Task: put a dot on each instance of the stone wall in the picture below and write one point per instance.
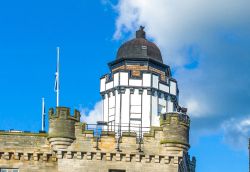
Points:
(29, 152)
(103, 162)
(33, 152)
(28, 164)
(23, 141)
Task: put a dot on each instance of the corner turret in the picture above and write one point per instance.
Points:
(175, 130)
(62, 127)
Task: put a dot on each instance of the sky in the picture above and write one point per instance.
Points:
(206, 43)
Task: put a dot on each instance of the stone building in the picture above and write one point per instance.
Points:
(143, 129)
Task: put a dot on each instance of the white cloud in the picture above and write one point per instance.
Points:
(175, 25)
(207, 45)
(236, 132)
(93, 115)
(194, 108)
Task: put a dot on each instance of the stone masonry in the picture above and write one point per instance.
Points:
(70, 147)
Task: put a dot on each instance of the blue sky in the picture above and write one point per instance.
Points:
(206, 44)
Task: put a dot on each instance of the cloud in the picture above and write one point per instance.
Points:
(177, 25)
(93, 115)
(206, 43)
(236, 131)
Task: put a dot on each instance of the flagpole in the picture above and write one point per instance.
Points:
(58, 79)
(43, 114)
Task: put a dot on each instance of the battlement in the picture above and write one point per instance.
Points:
(86, 156)
(175, 127)
(62, 127)
(174, 118)
(64, 113)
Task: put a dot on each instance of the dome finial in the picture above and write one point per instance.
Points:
(141, 33)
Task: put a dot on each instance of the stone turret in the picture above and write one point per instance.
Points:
(62, 127)
(175, 127)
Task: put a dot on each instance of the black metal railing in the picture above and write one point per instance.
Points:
(118, 130)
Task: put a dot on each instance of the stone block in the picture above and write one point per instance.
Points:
(118, 157)
(108, 156)
(79, 155)
(138, 158)
(128, 158)
(59, 155)
(69, 155)
(98, 156)
(89, 155)
(147, 158)
(157, 159)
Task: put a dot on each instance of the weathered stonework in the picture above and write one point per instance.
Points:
(37, 152)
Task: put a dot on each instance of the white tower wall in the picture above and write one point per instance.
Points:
(146, 111)
(135, 104)
(124, 111)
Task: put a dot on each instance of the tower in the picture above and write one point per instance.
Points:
(138, 88)
(62, 127)
(146, 128)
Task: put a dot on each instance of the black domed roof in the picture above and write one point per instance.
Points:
(139, 47)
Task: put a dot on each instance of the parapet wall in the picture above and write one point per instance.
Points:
(23, 141)
(84, 151)
(172, 137)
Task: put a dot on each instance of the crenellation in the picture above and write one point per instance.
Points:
(64, 113)
(54, 157)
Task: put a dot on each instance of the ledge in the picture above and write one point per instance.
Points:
(25, 134)
(108, 133)
(129, 134)
(88, 132)
(174, 142)
(88, 156)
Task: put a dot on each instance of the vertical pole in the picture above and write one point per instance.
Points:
(43, 114)
(58, 78)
